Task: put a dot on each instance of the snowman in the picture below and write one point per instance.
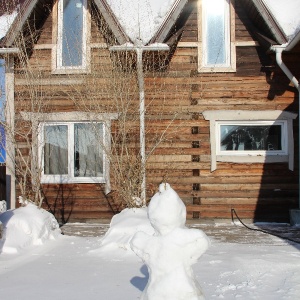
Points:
(170, 253)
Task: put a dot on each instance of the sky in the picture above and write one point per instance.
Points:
(2, 98)
(2, 84)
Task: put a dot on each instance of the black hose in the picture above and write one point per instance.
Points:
(233, 212)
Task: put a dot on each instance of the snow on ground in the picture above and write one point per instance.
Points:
(70, 267)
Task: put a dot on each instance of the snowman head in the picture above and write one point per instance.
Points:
(166, 210)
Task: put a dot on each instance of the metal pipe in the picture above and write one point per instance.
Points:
(139, 48)
(140, 75)
(278, 50)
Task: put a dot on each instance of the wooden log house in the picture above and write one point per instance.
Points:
(223, 111)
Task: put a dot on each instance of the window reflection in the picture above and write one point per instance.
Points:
(251, 138)
(72, 33)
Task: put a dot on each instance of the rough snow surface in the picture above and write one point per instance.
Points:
(116, 242)
(286, 12)
(140, 19)
(27, 226)
(5, 22)
(67, 268)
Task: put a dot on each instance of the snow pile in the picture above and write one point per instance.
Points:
(170, 253)
(140, 19)
(123, 226)
(27, 226)
(5, 22)
(287, 14)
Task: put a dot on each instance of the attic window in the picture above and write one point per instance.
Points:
(72, 34)
(216, 32)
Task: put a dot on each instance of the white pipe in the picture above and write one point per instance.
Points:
(139, 48)
(9, 50)
(140, 75)
(278, 50)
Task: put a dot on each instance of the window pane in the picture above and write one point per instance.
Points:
(88, 150)
(56, 150)
(72, 33)
(215, 24)
(250, 138)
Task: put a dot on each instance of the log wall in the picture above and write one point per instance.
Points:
(175, 100)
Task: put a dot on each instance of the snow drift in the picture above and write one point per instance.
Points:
(27, 226)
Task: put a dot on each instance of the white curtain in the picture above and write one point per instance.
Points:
(56, 150)
(88, 150)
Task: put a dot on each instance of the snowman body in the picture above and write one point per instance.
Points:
(170, 253)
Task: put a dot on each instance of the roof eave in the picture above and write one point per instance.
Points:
(293, 42)
(112, 21)
(18, 23)
(271, 21)
(169, 22)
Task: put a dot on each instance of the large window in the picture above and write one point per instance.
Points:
(73, 152)
(216, 36)
(72, 34)
(251, 137)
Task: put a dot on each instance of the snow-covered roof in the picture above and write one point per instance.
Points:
(141, 19)
(287, 15)
(5, 22)
(151, 20)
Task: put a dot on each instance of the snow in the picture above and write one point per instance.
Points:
(70, 267)
(287, 14)
(116, 242)
(140, 19)
(27, 226)
(5, 22)
(171, 251)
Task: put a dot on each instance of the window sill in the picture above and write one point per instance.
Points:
(71, 71)
(252, 158)
(216, 70)
(68, 180)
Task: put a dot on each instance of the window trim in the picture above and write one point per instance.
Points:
(37, 118)
(231, 47)
(57, 67)
(69, 178)
(217, 117)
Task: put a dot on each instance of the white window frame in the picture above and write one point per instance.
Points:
(284, 118)
(57, 67)
(76, 117)
(230, 65)
(69, 178)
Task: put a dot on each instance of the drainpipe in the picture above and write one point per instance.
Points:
(278, 50)
(140, 75)
(139, 48)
